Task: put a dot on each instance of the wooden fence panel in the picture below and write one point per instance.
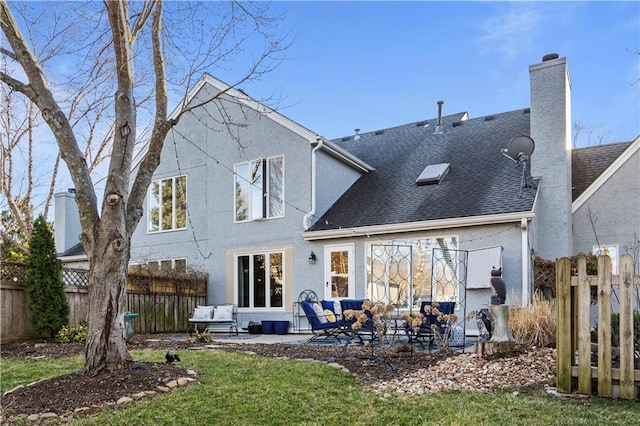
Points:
(604, 332)
(584, 328)
(627, 390)
(163, 302)
(16, 318)
(564, 329)
(574, 331)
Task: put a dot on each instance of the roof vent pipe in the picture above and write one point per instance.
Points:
(439, 129)
(357, 135)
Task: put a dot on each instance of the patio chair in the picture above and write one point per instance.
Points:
(325, 322)
(431, 324)
(366, 329)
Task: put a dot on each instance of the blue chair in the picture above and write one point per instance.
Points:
(323, 326)
(367, 328)
(430, 322)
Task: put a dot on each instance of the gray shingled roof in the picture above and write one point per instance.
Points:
(590, 162)
(481, 181)
(77, 250)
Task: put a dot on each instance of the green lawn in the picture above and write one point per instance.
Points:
(243, 389)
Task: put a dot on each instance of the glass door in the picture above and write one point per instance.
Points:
(339, 275)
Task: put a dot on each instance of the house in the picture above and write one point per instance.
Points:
(67, 231)
(606, 200)
(269, 208)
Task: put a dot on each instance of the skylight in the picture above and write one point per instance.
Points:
(433, 173)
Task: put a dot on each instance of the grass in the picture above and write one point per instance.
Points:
(244, 389)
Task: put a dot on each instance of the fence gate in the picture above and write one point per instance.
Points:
(604, 362)
(449, 284)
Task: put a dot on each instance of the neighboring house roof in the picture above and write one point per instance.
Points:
(481, 181)
(77, 250)
(591, 166)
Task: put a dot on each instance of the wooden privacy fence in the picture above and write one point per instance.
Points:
(574, 301)
(162, 300)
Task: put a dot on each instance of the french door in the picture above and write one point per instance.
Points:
(339, 271)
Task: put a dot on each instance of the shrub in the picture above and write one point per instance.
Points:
(535, 324)
(45, 291)
(615, 330)
(72, 334)
(202, 336)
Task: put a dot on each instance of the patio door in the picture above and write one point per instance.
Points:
(339, 271)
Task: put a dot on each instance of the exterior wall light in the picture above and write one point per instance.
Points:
(312, 258)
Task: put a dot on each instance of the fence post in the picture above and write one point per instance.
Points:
(604, 326)
(563, 330)
(584, 328)
(627, 389)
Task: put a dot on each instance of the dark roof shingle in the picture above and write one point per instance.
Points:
(590, 162)
(481, 180)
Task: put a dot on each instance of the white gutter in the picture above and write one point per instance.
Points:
(526, 286)
(365, 231)
(344, 155)
(306, 221)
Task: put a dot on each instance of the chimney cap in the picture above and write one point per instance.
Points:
(550, 56)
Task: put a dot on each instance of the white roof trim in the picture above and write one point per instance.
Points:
(74, 258)
(344, 155)
(417, 226)
(610, 171)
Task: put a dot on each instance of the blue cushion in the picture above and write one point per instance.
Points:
(315, 322)
(328, 304)
(432, 319)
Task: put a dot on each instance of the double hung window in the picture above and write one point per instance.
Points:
(167, 204)
(259, 189)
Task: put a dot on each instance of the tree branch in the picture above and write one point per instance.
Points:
(53, 115)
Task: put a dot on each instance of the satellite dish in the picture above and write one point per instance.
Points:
(519, 150)
(519, 146)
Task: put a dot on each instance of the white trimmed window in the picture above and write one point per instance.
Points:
(259, 189)
(260, 280)
(611, 251)
(167, 204)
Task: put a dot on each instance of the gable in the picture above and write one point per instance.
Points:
(587, 164)
(593, 166)
(245, 100)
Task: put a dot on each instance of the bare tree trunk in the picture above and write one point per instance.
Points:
(110, 243)
(106, 236)
(106, 345)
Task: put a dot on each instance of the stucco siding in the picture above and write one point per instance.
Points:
(509, 236)
(206, 154)
(613, 210)
(333, 178)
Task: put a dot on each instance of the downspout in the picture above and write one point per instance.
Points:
(526, 288)
(307, 217)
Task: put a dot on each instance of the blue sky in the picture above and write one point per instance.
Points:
(372, 65)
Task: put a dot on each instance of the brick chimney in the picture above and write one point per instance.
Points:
(551, 161)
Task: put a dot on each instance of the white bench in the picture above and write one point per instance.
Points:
(222, 317)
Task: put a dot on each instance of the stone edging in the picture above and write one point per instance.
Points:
(42, 417)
